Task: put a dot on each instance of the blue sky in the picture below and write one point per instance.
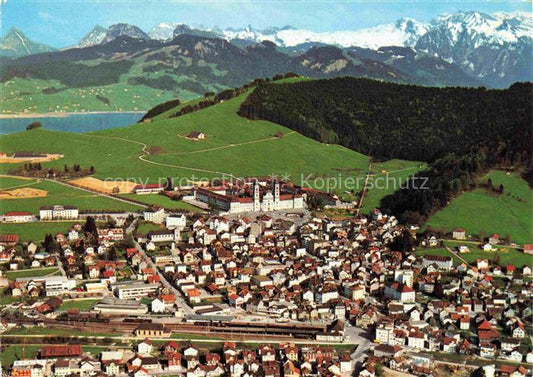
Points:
(61, 23)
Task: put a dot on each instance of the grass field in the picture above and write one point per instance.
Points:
(162, 201)
(78, 304)
(14, 352)
(35, 231)
(506, 255)
(478, 210)
(145, 227)
(56, 332)
(387, 177)
(7, 183)
(243, 148)
(12, 275)
(26, 95)
(61, 194)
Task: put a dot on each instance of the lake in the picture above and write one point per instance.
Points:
(85, 122)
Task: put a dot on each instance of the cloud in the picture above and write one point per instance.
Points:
(50, 18)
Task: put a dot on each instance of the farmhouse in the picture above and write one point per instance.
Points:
(255, 196)
(196, 135)
(58, 212)
(459, 234)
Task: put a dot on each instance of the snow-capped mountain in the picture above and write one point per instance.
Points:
(94, 37)
(495, 48)
(492, 48)
(405, 32)
(163, 31)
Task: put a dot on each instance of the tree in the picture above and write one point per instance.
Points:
(168, 185)
(90, 226)
(33, 126)
(438, 290)
(507, 238)
(404, 242)
(50, 244)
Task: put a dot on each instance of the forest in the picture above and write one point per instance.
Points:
(461, 132)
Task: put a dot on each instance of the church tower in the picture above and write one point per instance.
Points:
(257, 202)
(276, 195)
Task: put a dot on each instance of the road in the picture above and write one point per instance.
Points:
(367, 178)
(358, 336)
(180, 301)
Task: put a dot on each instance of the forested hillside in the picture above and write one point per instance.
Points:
(461, 132)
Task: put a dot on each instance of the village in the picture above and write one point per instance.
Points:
(257, 285)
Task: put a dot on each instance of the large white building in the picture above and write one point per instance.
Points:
(155, 215)
(257, 196)
(134, 289)
(18, 217)
(58, 212)
(57, 285)
(400, 292)
(441, 261)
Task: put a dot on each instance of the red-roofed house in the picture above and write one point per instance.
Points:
(18, 217)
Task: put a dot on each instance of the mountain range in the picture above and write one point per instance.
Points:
(172, 60)
(492, 49)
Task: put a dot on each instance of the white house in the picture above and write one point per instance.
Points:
(145, 347)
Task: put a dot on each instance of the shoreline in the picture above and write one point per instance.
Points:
(61, 115)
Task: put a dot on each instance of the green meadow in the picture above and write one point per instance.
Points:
(161, 201)
(36, 231)
(37, 272)
(386, 178)
(505, 254)
(234, 145)
(482, 211)
(58, 194)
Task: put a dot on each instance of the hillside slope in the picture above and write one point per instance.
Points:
(387, 120)
(462, 133)
(235, 146)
